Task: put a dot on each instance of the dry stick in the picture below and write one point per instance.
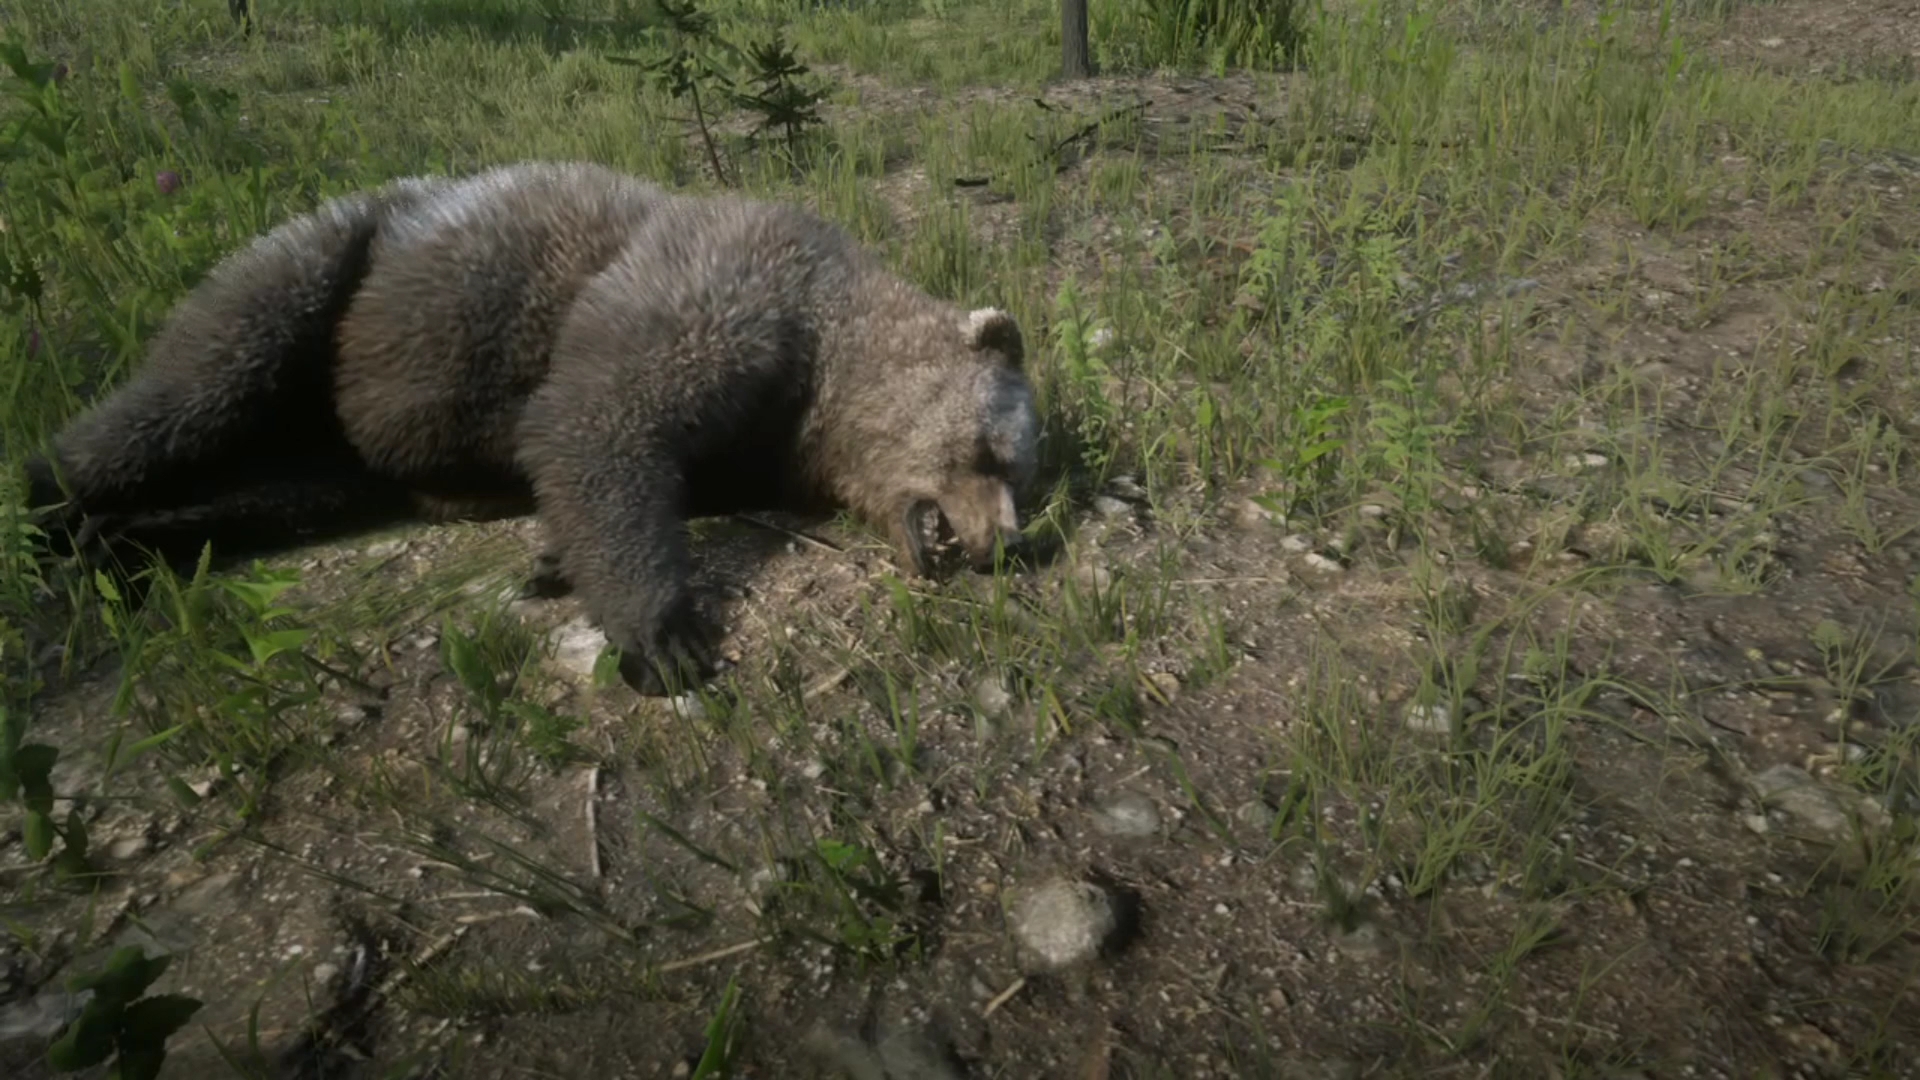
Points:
(428, 955)
(476, 918)
(1087, 130)
(795, 534)
(1084, 132)
(825, 683)
(707, 958)
(593, 819)
(1003, 997)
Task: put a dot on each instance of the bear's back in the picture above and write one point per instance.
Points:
(452, 326)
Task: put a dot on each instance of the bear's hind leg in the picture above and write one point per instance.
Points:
(240, 369)
(290, 505)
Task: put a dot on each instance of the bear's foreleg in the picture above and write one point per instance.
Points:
(610, 494)
(549, 578)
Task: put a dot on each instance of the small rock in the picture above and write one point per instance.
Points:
(1372, 510)
(1296, 543)
(1257, 814)
(1434, 719)
(687, 707)
(1064, 922)
(200, 896)
(1127, 814)
(577, 645)
(1167, 683)
(900, 1055)
(911, 1054)
(1127, 488)
(386, 548)
(992, 698)
(1812, 1042)
(1108, 506)
(129, 847)
(1363, 942)
(1092, 577)
(41, 1016)
(762, 880)
(1250, 513)
(1825, 808)
(1323, 564)
(1817, 481)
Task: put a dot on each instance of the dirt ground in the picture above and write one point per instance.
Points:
(1686, 929)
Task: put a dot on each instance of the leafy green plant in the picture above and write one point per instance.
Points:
(1406, 428)
(1084, 375)
(25, 768)
(490, 669)
(848, 885)
(217, 671)
(1309, 456)
(118, 1022)
(29, 774)
(722, 1034)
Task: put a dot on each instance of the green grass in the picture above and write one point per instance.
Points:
(1466, 307)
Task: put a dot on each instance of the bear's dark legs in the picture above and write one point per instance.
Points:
(271, 508)
(620, 539)
(549, 578)
(611, 501)
(155, 470)
(240, 370)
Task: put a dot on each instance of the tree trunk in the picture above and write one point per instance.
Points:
(1076, 55)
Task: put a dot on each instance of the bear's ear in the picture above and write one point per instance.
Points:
(992, 328)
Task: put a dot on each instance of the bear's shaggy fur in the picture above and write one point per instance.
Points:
(562, 339)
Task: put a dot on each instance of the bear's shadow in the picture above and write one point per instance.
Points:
(727, 557)
(730, 554)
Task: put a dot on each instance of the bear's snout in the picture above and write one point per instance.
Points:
(981, 513)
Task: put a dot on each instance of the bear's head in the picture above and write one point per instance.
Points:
(973, 447)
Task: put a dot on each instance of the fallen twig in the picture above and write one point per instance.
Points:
(1003, 997)
(593, 820)
(795, 534)
(708, 958)
(1085, 131)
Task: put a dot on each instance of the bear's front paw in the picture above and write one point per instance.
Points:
(548, 581)
(670, 660)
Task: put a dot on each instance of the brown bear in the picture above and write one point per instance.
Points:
(561, 339)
